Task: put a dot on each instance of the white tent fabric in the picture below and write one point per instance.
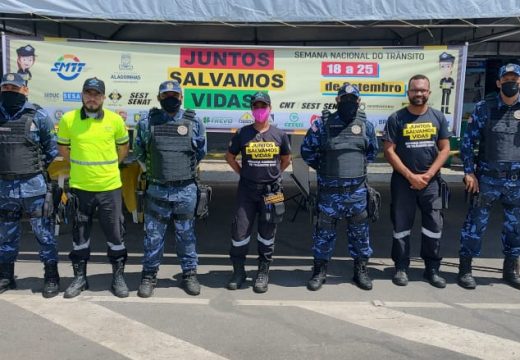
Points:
(257, 11)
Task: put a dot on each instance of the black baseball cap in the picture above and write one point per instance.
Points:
(170, 85)
(261, 96)
(347, 89)
(509, 68)
(13, 79)
(94, 84)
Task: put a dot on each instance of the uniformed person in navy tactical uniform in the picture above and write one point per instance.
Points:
(27, 147)
(494, 174)
(416, 144)
(169, 144)
(339, 146)
(266, 153)
(447, 83)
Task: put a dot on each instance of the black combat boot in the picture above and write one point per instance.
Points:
(79, 283)
(190, 283)
(262, 277)
(51, 280)
(400, 277)
(148, 283)
(361, 277)
(119, 287)
(319, 275)
(7, 277)
(433, 277)
(465, 278)
(509, 272)
(238, 277)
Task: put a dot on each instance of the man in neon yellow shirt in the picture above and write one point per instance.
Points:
(95, 141)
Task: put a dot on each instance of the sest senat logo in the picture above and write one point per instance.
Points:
(68, 67)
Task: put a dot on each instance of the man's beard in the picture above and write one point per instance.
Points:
(91, 109)
(418, 100)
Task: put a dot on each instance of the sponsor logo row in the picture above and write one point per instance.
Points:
(114, 98)
(69, 67)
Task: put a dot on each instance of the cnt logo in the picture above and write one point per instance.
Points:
(68, 67)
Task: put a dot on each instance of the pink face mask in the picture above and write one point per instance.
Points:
(261, 115)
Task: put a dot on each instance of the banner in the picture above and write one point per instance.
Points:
(218, 81)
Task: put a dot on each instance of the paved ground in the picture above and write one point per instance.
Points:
(288, 322)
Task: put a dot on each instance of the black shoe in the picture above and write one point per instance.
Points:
(51, 280)
(79, 283)
(148, 283)
(262, 278)
(433, 277)
(509, 272)
(400, 277)
(238, 277)
(319, 275)
(465, 278)
(190, 284)
(119, 287)
(361, 277)
(7, 277)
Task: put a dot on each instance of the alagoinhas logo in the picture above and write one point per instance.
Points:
(68, 67)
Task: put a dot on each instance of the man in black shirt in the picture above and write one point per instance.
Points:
(266, 153)
(416, 144)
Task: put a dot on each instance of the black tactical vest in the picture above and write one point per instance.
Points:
(501, 134)
(171, 156)
(19, 153)
(344, 148)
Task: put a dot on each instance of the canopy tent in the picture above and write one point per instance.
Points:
(491, 27)
(266, 11)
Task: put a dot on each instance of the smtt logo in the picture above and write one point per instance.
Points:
(68, 67)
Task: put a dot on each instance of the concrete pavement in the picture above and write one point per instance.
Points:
(288, 322)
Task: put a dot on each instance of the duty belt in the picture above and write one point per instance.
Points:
(257, 186)
(11, 177)
(340, 189)
(501, 174)
(173, 183)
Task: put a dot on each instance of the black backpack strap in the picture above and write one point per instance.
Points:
(34, 106)
(153, 114)
(189, 115)
(324, 135)
(361, 115)
(325, 115)
(490, 104)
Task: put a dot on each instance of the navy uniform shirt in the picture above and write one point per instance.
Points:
(472, 136)
(43, 133)
(260, 152)
(416, 136)
(311, 151)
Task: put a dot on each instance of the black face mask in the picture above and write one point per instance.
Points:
(12, 102)
(347, 110)
(510, 88)
(170, 104)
